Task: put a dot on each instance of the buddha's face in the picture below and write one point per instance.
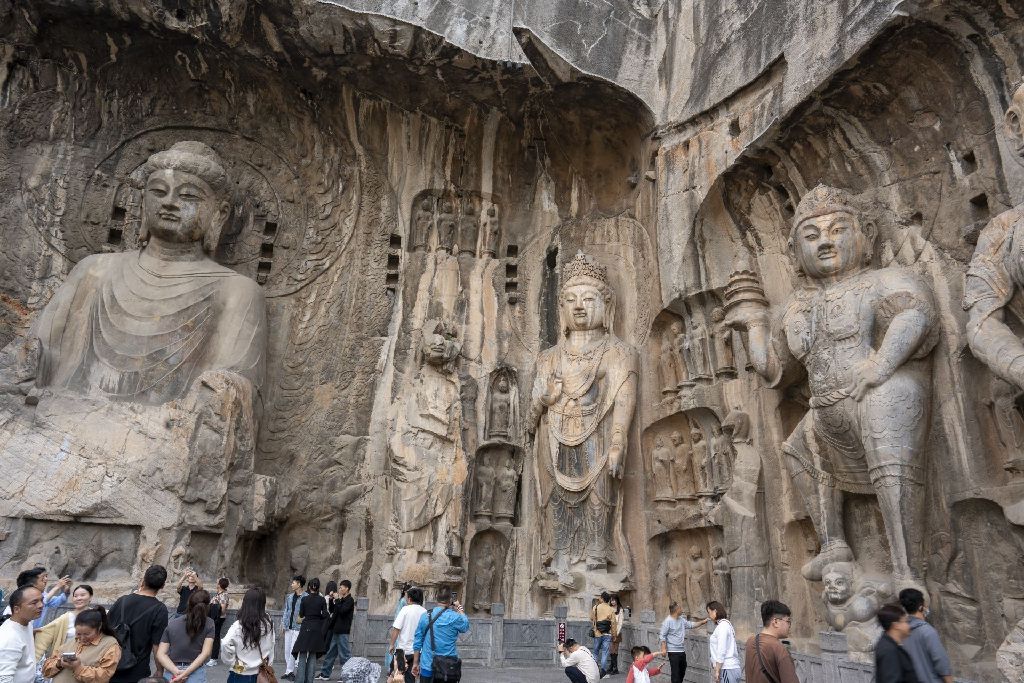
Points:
(838, 587)
(180, 207)
(583, 307)
(830, 245)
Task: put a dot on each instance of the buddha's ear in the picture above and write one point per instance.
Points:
(870, 230)
(220, 218)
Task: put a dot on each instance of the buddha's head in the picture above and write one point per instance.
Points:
(586, 300)
(676, 438)
(1012, 120)
(829, 238)
(184, 199)
(838, 582)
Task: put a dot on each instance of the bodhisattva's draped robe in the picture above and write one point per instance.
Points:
(132, 328)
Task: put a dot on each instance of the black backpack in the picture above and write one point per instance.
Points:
(130, 656)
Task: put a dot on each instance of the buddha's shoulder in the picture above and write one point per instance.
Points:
(239, 286)
(98, 263)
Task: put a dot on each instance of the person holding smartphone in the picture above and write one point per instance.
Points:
(188, 585)
(93, 654)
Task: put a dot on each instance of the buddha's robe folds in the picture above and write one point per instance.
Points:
(134, 328)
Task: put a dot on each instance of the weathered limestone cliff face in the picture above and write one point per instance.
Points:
(746, 388)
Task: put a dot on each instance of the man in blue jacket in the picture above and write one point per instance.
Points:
(931, 662)
(447, 621)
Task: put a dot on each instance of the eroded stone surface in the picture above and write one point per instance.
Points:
(402, 173)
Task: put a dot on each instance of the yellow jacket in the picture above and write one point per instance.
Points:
(49, 638)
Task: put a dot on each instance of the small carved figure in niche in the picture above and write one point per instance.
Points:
(700, 348)
(582, 406)
(505, 491)
(675, 575)
(446, 226)
(721, 334)
(501, 408)
(737, 425)
(483, 578)
(485, 475)
(681, 465)
(851, 603)
(721, 463)
(423, 224)
(701, 471)
(492, 230)
(671, 374)
(697, 584)
(721, 576)
(863, 337)
(994, 323)
(682, 351)
(664, 471)
(689, 360)
(469, 225)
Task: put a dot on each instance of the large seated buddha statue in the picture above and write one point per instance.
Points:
(134, 398)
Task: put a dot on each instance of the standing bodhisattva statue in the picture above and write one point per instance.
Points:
(862, 336)
(582, 407)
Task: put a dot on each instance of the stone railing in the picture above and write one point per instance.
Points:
(499, 642)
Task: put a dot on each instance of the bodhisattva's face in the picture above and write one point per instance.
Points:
(583, 307)
(180, 207)
(830, 245)
(838, 587)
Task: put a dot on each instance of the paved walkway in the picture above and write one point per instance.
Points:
(552, 674)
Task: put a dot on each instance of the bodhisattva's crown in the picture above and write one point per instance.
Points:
(824, 200)
(582, 265)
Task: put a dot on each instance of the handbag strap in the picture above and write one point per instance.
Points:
(760, 659)
(430, 627)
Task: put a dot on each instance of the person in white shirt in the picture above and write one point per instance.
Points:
(250, 639)
(17, 645)
(580, 665)
(725, 658)
(403, 630)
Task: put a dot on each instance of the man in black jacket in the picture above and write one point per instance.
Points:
(892, 663)
(342, 606)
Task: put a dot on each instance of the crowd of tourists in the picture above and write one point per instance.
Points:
(908, 651)
(88, 644)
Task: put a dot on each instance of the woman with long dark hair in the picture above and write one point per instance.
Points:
(619, 618)
(96, 649)
(250, 640)
(311, 642)
(188, 641)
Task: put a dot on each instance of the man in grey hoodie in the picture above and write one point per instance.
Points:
(931, 663)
